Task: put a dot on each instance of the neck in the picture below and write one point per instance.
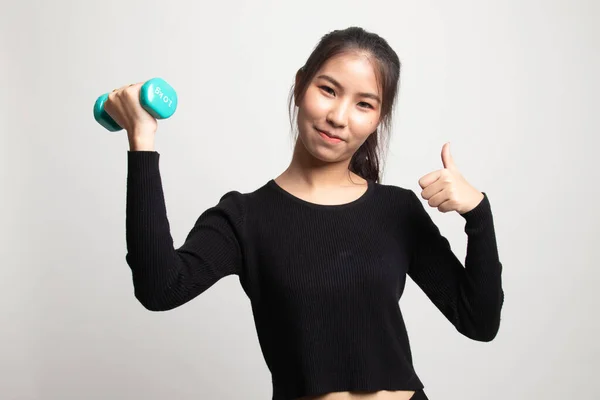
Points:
(309, 171)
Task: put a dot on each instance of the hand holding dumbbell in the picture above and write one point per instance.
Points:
(136, 108)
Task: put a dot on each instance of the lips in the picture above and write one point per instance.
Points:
(329, 134)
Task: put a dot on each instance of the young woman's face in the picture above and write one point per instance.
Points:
(342, 99)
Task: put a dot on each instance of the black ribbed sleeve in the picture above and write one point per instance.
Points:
(469, 295)
(165, 277)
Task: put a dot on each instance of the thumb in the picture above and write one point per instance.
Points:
(447, 159)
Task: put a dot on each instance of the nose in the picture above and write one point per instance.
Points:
(338, 115)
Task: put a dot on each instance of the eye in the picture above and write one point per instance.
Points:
(326, 88)
(330, 90)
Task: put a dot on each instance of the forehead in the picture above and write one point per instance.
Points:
(353, 71)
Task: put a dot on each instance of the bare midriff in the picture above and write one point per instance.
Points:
(379, 395)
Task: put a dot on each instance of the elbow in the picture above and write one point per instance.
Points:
(153, 301)
(482, 331)
(157, 293)
(165, 297)
(489, 328)
(488, 334)
(486, 326)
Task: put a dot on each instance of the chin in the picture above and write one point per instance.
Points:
(315, 148)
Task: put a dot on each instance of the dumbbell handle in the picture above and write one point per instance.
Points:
(156, 96)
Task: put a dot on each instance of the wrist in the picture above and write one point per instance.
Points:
(141, 145)
(141, 140)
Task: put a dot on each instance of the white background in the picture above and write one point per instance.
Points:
(513, 85)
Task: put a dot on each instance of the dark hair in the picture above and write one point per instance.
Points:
(366, 160)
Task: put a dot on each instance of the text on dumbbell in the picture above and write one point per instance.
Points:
(163, 96)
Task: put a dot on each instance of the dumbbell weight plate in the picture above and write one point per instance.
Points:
(102, 117)
(158, 98)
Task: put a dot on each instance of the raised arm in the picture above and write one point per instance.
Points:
(165, 277)
(470, 296)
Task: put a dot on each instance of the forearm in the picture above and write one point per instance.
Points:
(482, 283)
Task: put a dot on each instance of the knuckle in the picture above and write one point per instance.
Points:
(108, 104)
(130, 91)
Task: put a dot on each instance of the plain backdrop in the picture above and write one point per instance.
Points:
(513, 85)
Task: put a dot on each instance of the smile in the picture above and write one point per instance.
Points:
(327, 138)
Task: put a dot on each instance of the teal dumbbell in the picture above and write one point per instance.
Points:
(156, 96)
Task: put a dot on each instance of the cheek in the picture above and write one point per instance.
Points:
(363, 123)
(315, 106)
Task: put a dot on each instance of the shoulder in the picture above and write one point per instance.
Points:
(399, 193)
(401, 203)
(239, 200)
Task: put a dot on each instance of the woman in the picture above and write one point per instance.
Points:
(323, 250)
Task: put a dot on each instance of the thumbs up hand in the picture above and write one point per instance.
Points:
(447, 189)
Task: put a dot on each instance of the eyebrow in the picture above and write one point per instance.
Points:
(336, 83)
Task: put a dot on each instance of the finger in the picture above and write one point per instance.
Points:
(122, 87)
(429, 179)
(446, 206)
(438, 199)
(447, 159)
(118, 89)
(133, 88)
(433, 189)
